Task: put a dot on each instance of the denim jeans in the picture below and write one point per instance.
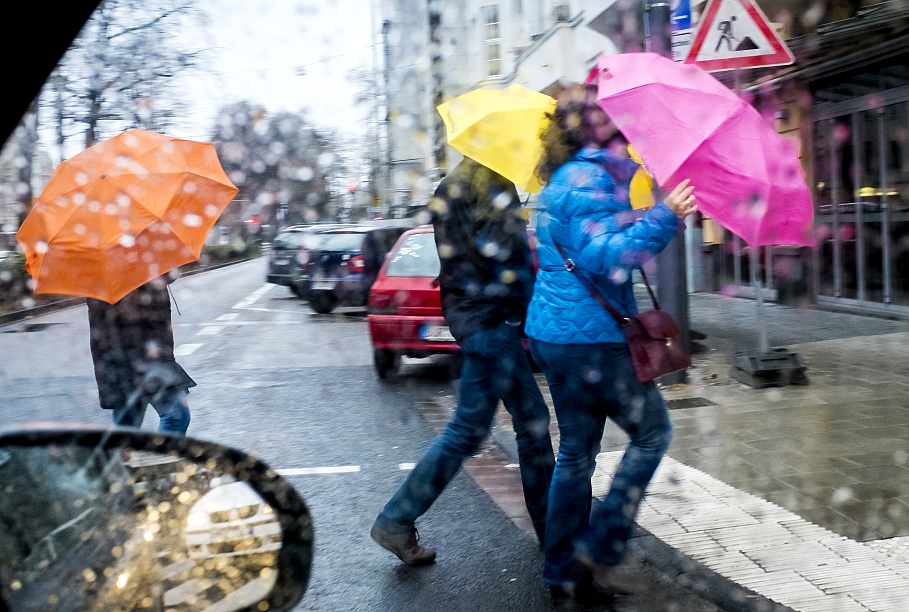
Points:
(495, 367)
(173, 409)
(590, 383)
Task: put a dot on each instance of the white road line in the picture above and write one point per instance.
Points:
(334, 469)
(252, 298)
(406, 466)
(211, 330)
(762, 546)
(186, 349)
(228, 316)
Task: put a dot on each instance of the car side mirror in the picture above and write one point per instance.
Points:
(117, 519)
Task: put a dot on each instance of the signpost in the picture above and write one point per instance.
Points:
(732, 35)
(680, 18)
(736, 34)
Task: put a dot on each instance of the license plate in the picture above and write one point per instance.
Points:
(436, 333)
(323, 285)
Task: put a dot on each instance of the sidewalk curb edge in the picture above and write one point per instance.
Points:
(674, 564)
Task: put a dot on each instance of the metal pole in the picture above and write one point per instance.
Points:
(761, 316)
(672, 273)
(754, 264)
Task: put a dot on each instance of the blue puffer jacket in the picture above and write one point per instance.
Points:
(585, 208)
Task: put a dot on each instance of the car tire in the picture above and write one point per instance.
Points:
(387, 362)
(322, 303)
(295, 290)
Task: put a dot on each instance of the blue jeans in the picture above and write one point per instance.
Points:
(590, 383)
(173, 409)
(495, 367)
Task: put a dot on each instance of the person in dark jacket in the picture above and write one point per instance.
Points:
(486, 282)
(585, 209)
(132, 346)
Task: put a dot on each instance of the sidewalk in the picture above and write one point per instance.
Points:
(800, 494)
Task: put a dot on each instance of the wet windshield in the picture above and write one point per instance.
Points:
(652, 355)
(416, 256)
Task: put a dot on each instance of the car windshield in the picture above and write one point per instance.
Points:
(215, 220)
(346, 241)
(289, 240)
(416, 256)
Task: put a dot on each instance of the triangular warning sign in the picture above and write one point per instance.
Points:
(736, 34)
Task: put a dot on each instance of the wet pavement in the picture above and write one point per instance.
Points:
(798, 493)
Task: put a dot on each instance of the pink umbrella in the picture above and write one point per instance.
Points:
(686, 124)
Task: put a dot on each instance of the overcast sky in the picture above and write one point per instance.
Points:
(255, 47)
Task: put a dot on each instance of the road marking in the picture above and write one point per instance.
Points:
(334, 469)
(406, 466)
(186, 349)
(762, 546)
(252, 298)
(228, 316)
(211, 330)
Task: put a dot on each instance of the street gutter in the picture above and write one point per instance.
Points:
(43, 309)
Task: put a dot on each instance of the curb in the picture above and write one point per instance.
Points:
(672, 563)
(36, 311)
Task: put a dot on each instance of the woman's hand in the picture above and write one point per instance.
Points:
(681, 200)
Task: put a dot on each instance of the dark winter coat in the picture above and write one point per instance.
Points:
(487, 273)
(127, 338)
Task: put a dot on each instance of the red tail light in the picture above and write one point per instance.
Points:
(381, 303)
(356, 264)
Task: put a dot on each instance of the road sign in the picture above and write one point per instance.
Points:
(736, 34)
(681, 29)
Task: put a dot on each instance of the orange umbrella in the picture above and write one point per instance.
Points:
(123, 212)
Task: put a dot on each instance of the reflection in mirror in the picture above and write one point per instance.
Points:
(111, 529)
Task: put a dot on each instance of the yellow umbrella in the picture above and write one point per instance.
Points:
(500, 128)
(641, 193)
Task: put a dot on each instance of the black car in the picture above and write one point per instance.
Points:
(342, 267)
(287, 253)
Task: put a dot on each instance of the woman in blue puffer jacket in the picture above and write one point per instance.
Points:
(584, 208)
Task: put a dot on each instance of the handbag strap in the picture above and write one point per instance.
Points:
(602, 301)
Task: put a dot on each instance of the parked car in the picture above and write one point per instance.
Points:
(342, 267)
(287, 252)
(405, 304)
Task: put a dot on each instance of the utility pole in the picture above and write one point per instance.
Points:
(672, 273)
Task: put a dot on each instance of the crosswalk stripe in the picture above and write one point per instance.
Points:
(311, 471)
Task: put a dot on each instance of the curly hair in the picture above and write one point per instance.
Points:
(577, 122)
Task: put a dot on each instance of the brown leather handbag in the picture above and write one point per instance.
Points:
(652, 336)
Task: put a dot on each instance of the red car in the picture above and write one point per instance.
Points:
(405, 306)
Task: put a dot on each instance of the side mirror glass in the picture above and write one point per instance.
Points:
(112, 520)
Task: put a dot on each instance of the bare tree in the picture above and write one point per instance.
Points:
(119, 71)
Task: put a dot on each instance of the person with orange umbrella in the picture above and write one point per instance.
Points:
(110, 224)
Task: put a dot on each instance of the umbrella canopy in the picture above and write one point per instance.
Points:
(686, 124)
(123, 212)
(500, 128)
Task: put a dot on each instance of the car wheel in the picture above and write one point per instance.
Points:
(295, 290)
(323, 303)
(387, 362)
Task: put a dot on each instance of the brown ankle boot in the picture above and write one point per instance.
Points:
(404, 546)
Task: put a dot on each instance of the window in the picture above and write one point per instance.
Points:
(416, 256)
(492, 40)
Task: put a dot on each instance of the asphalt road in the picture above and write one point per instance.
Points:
(298, 390)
